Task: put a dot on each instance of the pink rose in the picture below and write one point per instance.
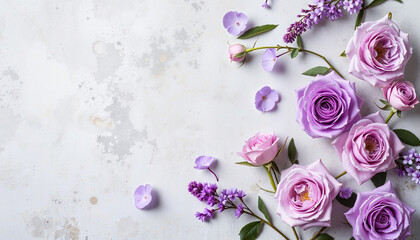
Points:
(401, 95)
(260, 149)
(237, 52)
(368, 148)
(305, 194)
(378, 52)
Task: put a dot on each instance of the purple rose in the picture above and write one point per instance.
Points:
(368, 148)
(378, 52)
(401, 95)
(328, 106)
(305, 194)
(237, 52)
(260, 149)
(379, 214)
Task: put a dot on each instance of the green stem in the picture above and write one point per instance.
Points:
(265, 190)
(319, 232)
(275, 176)
(341, 174)
(269, 224)
(390, 116)
(278, 47)
(296, 235)
(271, 179)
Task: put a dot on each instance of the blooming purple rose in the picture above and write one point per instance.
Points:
(266, 99)
(378, 52)
(380, 214)
(237, 52)
(327, 106)
(235, 22)
(401, 95)
(269, 59)
(143, 196)
(305, 194)
(260, 149)
(368, 148)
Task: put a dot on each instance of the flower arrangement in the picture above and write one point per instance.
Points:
(328, 107)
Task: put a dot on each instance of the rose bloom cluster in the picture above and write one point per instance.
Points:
(329, 107)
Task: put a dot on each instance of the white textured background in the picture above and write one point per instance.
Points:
(100, 96)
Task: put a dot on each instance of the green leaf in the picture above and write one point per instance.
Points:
(379, 179)
(399, 113)
(246, 164)
(275, 167)
(294, 53)
(324, 236)
(262, 209)
(347, 202)
(299, 41)
(360, 16)
(375, 3)
(316, 70)
(407, 137)
(257, 31)
(384, 101)
(343, 54)
(291, 151)
(251, 231)
(352, 238)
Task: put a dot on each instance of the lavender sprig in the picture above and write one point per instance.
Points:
(409, 165)
(227, 199)
(318, 11)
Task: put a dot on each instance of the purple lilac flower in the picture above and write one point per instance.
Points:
(235, 22)
(416, 177)
(143, 196)
(239, 210)
(231, 194)
(240, 194)
(205, 216)
(353, 6)
(401, 172)
(266, 99)
(265, 4)
(205, 162)
(269, 59)
(409, 170)
(317, 11)
(345, 192)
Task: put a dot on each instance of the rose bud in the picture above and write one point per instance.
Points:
(260, 149)
(401, 95)
(237, 52)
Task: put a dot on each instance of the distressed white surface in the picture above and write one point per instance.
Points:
(100, 96)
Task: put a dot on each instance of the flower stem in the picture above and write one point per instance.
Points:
(390, 116)
(319, 232)
(341, 174)
(271, 179)
(278, 47)
(275, 176)
(269, 224)
(265, 190)
(296, 235)
(214, 174)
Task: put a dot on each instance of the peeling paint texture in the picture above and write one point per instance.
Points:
(98, 97)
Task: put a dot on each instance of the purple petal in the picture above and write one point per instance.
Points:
(235, 22)
(267, 105)
(204, 162)
(142, 196)
(230, 19)
(269, 59)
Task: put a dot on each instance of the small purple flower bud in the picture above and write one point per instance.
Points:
(237, 52)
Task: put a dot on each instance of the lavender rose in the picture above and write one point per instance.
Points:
(379, 214)
(305, 194)
(378, 52)
(401, 95)
(327, 106)
(368, 148)
(260, 149)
